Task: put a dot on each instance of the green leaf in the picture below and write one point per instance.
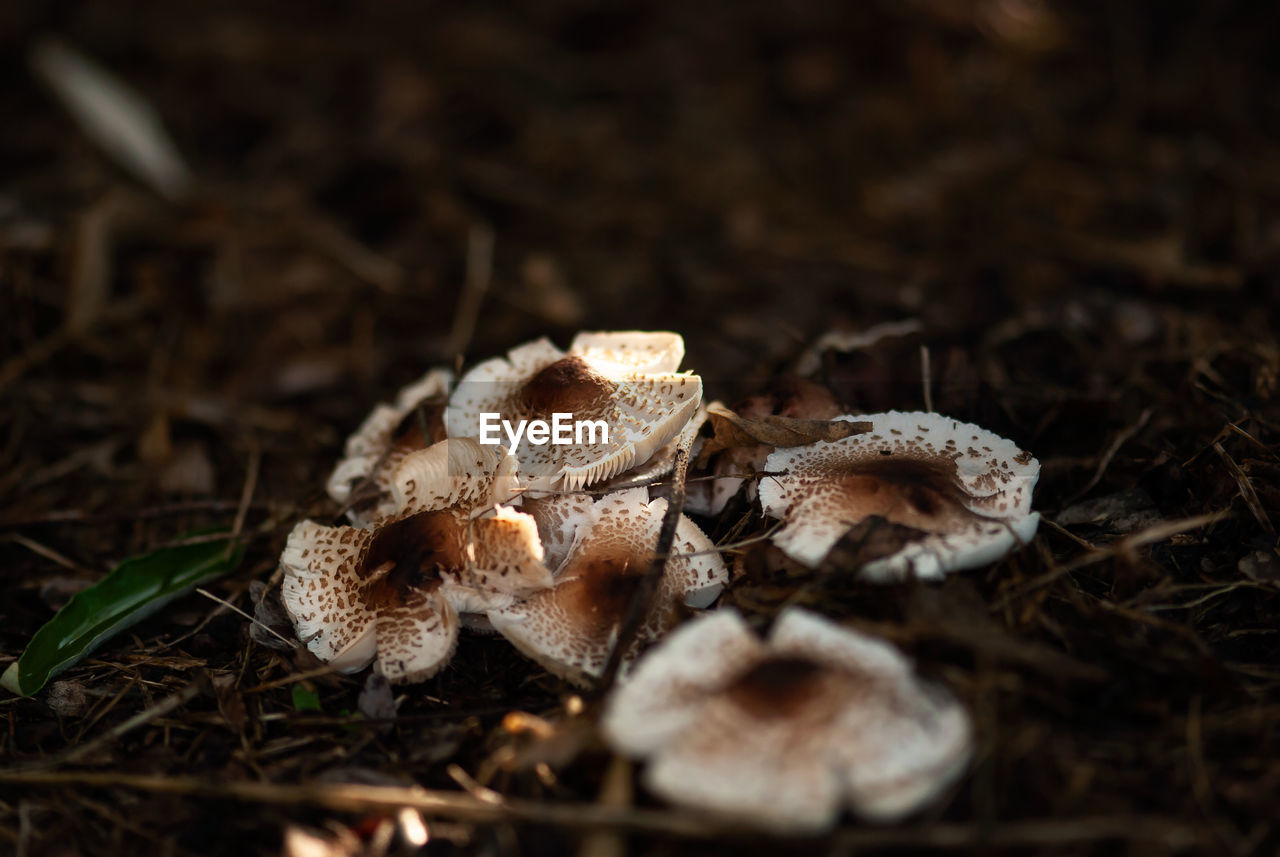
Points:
(306, 699)
(135, 589)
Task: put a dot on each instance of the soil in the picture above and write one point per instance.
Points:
(1076, 203)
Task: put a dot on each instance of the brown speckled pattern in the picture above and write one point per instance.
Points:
(558, 517)
(644, 404)
(571, 629)
(968, 490)
(394, 591)
(788, 731)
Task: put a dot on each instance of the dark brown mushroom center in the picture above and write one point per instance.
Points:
(777, 687)
(601, 589)
(568, 385)
(407, 558)
(913, 492)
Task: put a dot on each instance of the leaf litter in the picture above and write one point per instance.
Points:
(1094, 280)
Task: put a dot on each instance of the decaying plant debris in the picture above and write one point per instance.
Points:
(1064, 215)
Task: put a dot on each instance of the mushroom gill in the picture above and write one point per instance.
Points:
(382, 441)
(626, 381)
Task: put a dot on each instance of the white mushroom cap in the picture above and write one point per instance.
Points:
(394, 592)
(387, 435)
(571, 628)
(643, 351)
(612, 377)
(782, 734)
(966, 490)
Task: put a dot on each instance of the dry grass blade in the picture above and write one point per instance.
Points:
(1151, 535)
(162, 708)
(113, 116)
(1247, 493)
(462, 806)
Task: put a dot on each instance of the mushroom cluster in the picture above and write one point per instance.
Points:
(549, 545)
(447, 530)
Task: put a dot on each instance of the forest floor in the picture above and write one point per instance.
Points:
(1077, 204)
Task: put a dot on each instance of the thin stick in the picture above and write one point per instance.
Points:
(293, 644)
(1156, 533)
(643, 601)
(479, 273)
(926, 377)
(78, 516)
(1171, 832)
(1246, 489)
(246, 497)
(50, 554)
(160, 709)
(1105, 462)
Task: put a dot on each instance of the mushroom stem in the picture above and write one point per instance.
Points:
(643, 601)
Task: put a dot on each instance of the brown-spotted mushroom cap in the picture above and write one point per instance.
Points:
(628, 380)
(558, 517)
(571, 628)
(783, 733)
(387, 435)
(394, 592)
(965, 491)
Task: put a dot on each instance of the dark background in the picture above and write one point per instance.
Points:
(1079, 202)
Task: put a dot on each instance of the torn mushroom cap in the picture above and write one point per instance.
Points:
(458, 472)
(967, 492)
(394, 592)
(571, 628)
(626, 380)
(387, 435)
(782, 734)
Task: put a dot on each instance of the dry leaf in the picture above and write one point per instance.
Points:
(732, 430)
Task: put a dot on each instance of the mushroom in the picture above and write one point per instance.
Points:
(627, 380)
(782, 733)
(571, 628)
(394, 592)
(387, 435)
(962, 493)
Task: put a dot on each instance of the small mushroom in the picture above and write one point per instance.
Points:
(571, 628)
(394, 592)
(387, 435)
(626, 380)
(961, 492)
(782, 733)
